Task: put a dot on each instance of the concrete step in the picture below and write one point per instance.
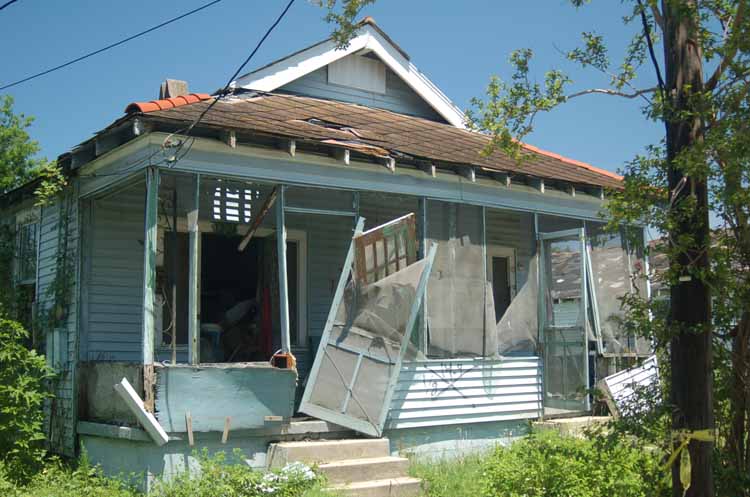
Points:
(404, 486)
(360, 470)
(316, 452)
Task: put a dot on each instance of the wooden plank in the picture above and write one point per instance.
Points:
(189, 427)
(225, 432)
(270, 200)
(247, 393)
(145, 418)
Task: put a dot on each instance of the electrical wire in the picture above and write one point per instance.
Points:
(6, 4)
(108, 47)
(178, 154)
(226, 90)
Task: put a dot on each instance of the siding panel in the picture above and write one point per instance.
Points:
(115, 276)
(460, 391)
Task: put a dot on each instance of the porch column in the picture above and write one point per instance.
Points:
(423, 341)
(286, 343)
(193, 275)
(149, 263)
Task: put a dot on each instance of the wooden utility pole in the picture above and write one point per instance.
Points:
(692, 374)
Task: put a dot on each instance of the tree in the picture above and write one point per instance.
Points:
(17, 149)
(702, 164)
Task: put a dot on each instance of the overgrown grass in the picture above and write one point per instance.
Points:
(450, 478)
(220, 476)
(547, 465)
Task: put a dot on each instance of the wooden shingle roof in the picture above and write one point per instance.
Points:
(375, 132)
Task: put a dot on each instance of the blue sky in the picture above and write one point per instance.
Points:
(459, 45)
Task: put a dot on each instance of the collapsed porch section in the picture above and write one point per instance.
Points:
(236, 296)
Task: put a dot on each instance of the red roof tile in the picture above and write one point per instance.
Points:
(167, 103)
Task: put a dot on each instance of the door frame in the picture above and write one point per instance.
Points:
(510, 254)
(580, 233)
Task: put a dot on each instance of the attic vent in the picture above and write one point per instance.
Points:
(358, 72)
(234, 205)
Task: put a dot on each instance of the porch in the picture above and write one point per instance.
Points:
(217, 303)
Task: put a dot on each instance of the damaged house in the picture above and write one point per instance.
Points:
(326, 255)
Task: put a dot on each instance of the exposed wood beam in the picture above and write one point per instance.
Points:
(389, 163)
(290, 146)
(145, 418)
(537, 183)
(429, 168)
(342, 154)
(468, 172)
(140, 127)
(230, 138)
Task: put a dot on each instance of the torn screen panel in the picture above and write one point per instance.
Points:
(366, 338)
(517, 330)
(616, 271)
(363, 348)
(457, 291)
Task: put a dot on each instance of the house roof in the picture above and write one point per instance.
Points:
(373, 132)
(369, 39)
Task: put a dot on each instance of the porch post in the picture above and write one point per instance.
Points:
(286, 344)
(149, 263)
(540, 314)
(585, 305)
(423, 339)
(485, 280)
(193, 275)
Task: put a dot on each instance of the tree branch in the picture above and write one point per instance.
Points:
(614, 93)
(732, 41)
(658, 18)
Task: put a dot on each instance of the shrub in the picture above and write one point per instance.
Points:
(220, 477)
(22, 393)
(548, 465)
(57, 480)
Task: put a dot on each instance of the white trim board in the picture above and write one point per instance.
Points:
(368, 39)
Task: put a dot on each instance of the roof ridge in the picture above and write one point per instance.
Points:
(166, 103)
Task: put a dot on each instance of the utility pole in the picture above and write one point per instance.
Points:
(690, 314)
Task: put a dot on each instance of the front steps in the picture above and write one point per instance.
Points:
(357, 468)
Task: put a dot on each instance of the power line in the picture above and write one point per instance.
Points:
(224, 91)
(7, 3)
(108, 47)
(176, 157)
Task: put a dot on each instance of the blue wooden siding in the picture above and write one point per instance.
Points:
(398, 97)
(61, 340)
(115, 277)
(460, 391)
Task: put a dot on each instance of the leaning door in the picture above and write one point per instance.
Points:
(563, 317)
(369, 325)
